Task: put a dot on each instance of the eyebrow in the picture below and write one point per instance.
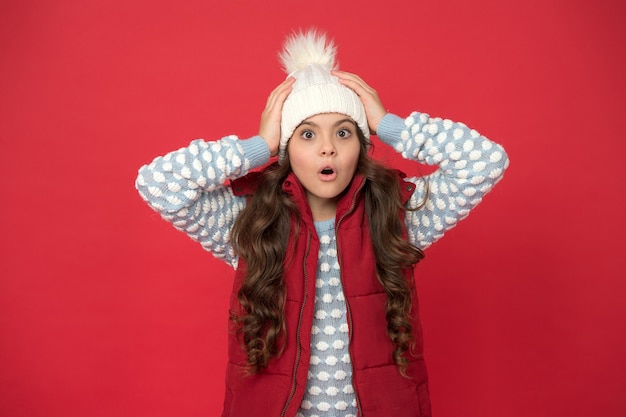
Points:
(339, 122)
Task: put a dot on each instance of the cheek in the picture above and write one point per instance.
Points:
(353, 155)
(298, 161)
(295, 158)
(293, 149)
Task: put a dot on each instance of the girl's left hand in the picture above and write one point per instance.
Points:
(374, 109)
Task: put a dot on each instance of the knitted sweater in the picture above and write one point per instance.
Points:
(189, 188)
(329, 383)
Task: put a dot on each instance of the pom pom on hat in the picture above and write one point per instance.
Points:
(309, 58)
(307, 48)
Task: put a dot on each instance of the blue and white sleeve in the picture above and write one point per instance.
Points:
(469, 165)
(188, 187)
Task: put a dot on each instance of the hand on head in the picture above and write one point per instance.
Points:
(374, 108)
(269, 128)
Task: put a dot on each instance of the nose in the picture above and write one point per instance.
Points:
(327, 147)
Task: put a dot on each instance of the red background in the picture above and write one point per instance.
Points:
(105, 310)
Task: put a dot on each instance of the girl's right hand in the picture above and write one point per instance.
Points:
(269, 129)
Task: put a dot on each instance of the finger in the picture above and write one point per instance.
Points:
(345, 74)
(354, 82)
(280, 93)
(349, 77)
(282, 87)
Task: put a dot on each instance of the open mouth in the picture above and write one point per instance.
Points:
(327, 174)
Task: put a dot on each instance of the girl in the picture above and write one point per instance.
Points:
(324, 315)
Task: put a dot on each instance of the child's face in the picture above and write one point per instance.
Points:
(323, 154)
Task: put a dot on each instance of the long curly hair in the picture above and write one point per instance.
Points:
(261, 234)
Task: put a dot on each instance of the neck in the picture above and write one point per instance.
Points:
(322, 209)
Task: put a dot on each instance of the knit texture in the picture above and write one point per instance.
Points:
(329, 390)
(187, 188)
(190, 188)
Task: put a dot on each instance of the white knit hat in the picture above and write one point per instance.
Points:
(309, 59)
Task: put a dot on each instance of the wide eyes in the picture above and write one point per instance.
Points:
(342, 133)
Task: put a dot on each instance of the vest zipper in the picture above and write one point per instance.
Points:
(299, 350)
(348, 311)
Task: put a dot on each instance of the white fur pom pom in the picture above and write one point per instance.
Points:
(305, 48)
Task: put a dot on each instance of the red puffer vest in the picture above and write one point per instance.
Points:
(380, 389)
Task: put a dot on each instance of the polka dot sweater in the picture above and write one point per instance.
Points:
(329, 389)
(190, 189)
